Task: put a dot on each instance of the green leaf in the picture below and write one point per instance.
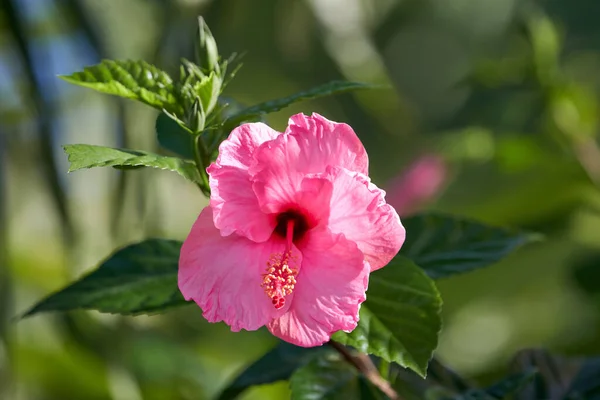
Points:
(552, 377)
(510, 384)
(441, 382)
(137, 279)
(331, 378)
(277, 365)
(135, 80)
(267, 107)
(501, 390)
(89, 156)
(445, 245)
(586, 384)
(195, 86)
(208, 90)
(442, 375)
(173, 137)
(400, 320)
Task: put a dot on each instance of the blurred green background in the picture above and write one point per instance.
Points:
(505, 90)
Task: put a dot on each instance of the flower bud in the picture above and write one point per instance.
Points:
(196, 117)
(207, 53)
(420, 183)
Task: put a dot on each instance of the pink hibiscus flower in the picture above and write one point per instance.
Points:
(418, 185)
(293, 229)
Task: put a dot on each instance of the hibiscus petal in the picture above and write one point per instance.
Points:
(235, 206)
(232, 198)
(275, 181)
(310, 196)
(359, 211)
(330, 288)
(323, 142)
(238, 149)
(314, 198)
(309, 146)
(223, 275)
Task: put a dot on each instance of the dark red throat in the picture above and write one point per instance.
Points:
(300, 224)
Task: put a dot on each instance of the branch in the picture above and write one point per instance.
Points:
(365, 366)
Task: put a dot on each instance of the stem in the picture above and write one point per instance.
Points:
(365, 366)
(588, 155)
(201, 158)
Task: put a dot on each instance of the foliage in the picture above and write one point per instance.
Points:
(331, 378)
(88, 156)
(401, 319)
(278, 364)
(444, 245)
(399, 322)
(141, 278)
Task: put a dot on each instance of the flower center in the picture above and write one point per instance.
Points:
(300, 224)
(280, 277)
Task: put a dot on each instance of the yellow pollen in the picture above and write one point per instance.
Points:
(279, 279)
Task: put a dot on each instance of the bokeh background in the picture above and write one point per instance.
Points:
(503, 92)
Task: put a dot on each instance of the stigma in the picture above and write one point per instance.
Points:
(280, 278)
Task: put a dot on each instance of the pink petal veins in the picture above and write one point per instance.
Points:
(293, 229)
(224, 275)
(235, 205)
(232, 199)
(322, 142)
(238, 149)
(360, 213)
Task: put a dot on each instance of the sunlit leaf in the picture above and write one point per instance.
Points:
(270, 106)
(137, 279)
(195, 85)
(331, 378)
(208, 90)
(89, 156)
(445, 245)
(277, 365)
(400, 320)
(135, 80)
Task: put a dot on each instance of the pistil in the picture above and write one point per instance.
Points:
(280, 278)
